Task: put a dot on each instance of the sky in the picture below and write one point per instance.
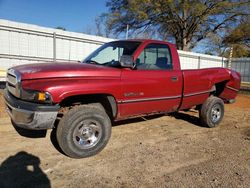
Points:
(73, 15)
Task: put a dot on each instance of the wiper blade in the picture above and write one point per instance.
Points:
(92, 62)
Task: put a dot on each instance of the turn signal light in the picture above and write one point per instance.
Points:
(41, 96)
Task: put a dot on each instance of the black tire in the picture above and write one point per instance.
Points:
(212, 112)
(83, 131)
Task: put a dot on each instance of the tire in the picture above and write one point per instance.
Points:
(212, 112)
(84, 131)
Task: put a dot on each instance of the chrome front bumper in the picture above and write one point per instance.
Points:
(29, 115)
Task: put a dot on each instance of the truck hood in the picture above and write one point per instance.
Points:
(62, 70)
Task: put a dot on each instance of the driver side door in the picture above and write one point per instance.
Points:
(154, 86)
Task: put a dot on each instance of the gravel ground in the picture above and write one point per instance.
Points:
(162, 151)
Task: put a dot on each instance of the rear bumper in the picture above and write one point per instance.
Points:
(30, 115)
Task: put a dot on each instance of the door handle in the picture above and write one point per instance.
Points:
(174, 78)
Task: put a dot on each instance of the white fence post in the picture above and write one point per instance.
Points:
(199, 62)
(54, 46)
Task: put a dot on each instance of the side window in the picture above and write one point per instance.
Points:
(155, 57)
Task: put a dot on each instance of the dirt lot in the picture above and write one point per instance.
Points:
(165, 151)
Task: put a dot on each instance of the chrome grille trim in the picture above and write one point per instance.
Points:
(13, 82)
(11, 79)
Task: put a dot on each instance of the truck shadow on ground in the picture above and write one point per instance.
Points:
(22, 170)
(54, 141)
(30, 133)
(186, 117)
(177, 115)
(136, 120)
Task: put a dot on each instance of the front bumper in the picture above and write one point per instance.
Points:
(30, 115)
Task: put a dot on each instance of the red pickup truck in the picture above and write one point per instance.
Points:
(120, 80)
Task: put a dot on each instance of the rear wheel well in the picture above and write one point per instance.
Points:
(219, 88)
(107, 101)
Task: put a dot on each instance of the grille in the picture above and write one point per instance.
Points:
(13, 82)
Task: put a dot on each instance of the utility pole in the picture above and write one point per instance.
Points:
(230, 57)
(127, 31)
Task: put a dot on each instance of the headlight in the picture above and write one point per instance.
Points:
(36, 96)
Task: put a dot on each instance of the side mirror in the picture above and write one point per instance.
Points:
(127, 61)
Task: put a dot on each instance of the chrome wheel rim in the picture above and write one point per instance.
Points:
(216, 113)
(87, 134)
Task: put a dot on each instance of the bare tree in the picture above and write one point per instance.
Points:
(186, 21)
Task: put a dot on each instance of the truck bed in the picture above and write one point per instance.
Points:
(199, 84)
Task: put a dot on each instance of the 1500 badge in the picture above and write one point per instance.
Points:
(133, 94)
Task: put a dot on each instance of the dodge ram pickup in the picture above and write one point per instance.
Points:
(120, 80)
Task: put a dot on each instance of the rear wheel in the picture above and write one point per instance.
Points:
(84, 131)
(212, 112)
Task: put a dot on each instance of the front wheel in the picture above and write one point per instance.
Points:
(84, 131)
(212, 112)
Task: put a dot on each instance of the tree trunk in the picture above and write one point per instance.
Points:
(185, 45)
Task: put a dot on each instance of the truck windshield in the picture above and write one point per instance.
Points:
(109, 54)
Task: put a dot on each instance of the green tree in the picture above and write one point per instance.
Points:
(240, 35)
(239, 39)
(186, 21)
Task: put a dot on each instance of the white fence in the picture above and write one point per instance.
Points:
(25, 43)
(242, 65)
(191, 60)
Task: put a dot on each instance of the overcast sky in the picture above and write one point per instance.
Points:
(74, 15)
